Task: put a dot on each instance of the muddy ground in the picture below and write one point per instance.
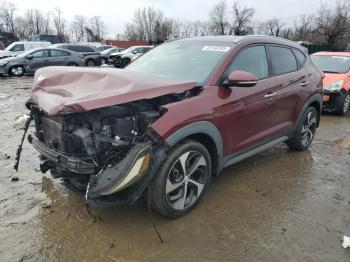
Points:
(277, 206)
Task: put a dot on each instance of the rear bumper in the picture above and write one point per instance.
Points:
(333, 102)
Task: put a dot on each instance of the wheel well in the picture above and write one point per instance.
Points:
(317, 106)
(9, 72)
(209, 143)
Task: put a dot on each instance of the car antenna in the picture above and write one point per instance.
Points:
(20, 147)
(149, 204)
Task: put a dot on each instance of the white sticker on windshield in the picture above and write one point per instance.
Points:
(216, 48)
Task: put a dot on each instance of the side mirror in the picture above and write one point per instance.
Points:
(134, 52)
(240, 79)
(29, 57)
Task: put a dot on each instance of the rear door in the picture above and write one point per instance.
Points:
(59, 57)
(290, 79)
(250, 110)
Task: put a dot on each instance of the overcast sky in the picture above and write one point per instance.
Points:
(116, 13)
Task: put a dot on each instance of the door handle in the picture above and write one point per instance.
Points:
(269, 95)
(305, 83)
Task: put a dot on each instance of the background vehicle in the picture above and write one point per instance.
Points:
(90, 55)
(174, 117)
(18, 47)
(28, 62)
(336, 83)
(105, 54)
(121, 59)
(103, 47)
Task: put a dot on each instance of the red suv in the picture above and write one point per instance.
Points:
(173, 118)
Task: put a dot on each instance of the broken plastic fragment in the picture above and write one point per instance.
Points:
(21, 122)
(346, 242)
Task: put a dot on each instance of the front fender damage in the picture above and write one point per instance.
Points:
(125, 182)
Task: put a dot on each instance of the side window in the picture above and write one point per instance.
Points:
(40, 54)
(17, 48)
(282, 60)
(300, 56)
(86, 49)
(253, 60)
(57, 53)
(74, 48)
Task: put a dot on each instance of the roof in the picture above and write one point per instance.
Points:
(332, 53)
(237, 39)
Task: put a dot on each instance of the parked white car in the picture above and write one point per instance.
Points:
(18, 47)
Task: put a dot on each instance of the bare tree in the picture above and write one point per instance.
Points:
(218, 18)
(242, 19)
(97, 27)
(7, 16)
(187, 28)
(333, 24)
(304, 27)
(205, 28)
(59, 24)
(272, 27)
(78, 28)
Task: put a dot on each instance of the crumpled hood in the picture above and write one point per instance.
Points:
(6, 53)
(8, 59)
(73, 89)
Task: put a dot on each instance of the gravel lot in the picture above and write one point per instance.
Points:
(277, 206)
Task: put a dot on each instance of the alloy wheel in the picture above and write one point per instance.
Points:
(346, 104)
(308, 130)
(17, 71)
(91, 63)
(186, 180)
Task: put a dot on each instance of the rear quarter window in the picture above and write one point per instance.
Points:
(282, 60)
(300, 56)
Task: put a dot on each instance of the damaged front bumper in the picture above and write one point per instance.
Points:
(333, 101)
(121, 183)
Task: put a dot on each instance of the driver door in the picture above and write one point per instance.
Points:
(38, 59)
(250, 111)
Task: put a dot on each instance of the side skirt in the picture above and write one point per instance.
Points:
(237, 157)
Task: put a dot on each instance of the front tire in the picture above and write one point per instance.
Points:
(125, 62)
(17, 71)
(305, 132)
(182, 180)
(344, 108)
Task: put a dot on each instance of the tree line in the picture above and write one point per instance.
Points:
(35, 22)
(328, 24)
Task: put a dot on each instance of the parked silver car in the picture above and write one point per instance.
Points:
(28, 62)
(121, 59)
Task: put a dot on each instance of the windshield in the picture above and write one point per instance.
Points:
(9, 47)
(110, 50)
(332, 64)
(182, 60)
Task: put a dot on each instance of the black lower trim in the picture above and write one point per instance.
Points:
(335, 103)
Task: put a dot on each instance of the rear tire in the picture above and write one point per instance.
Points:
(90, 63)
(344, 108)
(17, 71)
(182, 180)
(305, 132)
